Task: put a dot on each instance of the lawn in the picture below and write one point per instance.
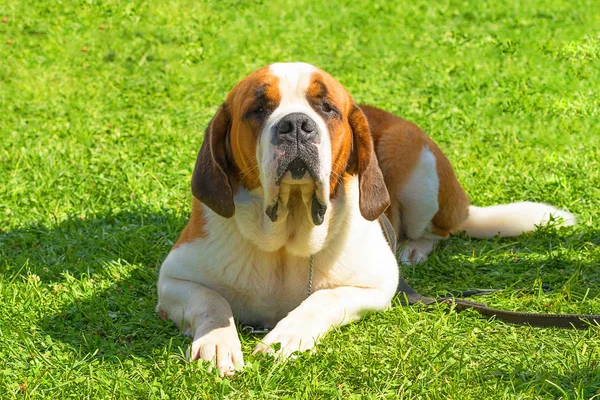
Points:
(102, 111)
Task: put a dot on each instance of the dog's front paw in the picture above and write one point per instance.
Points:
(293, 336)
(221, 347)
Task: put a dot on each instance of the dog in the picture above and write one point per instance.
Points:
(288, 187)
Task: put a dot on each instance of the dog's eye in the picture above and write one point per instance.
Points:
(328, 108)
(257, 112)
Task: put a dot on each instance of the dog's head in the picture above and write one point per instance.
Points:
(288, 129)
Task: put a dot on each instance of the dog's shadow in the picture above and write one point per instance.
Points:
(104, 270)
(547, 257)
(102, 273)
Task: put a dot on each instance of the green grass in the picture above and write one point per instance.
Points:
(99, 129)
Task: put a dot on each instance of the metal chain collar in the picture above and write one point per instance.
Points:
(310, 276)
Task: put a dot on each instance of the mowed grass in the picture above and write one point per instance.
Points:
(102, 110)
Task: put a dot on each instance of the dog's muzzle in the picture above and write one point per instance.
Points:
(295, 138)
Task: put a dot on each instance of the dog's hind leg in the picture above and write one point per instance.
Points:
(415, 251)
(418, 205)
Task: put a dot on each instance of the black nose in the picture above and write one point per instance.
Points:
(298, 125)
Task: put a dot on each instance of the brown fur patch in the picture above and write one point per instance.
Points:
(211, 183)
(323, 87)
(374, 197)
(341, 147)
(351, 143)
(260, 87)
(398, 144)
(195, 226)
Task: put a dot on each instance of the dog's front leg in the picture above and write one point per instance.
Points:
(206, 316)
(320, 312)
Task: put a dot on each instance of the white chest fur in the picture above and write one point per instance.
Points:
(261, 268)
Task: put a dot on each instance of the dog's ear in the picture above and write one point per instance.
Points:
(374, 197)
(210, 180)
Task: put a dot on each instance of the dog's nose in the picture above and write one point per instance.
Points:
(298, 125)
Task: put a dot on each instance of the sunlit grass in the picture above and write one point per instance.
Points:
(102, 109)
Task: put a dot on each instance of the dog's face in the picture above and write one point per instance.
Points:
(290, 130)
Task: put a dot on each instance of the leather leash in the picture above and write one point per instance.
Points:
(409, 296)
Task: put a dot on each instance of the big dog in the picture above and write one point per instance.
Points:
(288, 187)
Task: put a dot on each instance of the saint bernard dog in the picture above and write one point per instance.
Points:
(288, 187)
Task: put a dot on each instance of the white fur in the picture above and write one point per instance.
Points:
(512, 219)
(419, 196)
(203, 285)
